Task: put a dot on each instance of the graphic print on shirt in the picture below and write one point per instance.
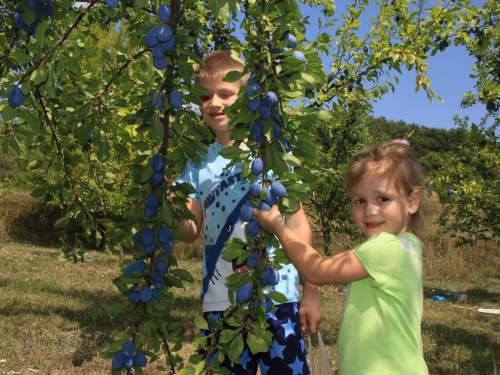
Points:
(409, 247)
(213, 252)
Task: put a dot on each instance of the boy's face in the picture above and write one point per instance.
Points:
(379, 207)
(220, 95)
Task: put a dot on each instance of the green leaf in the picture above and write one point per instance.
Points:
(201, 323)
(50, 84)
(233, 76)
(38, 192)
(291, 160)
(20, 57)
(157, 130)
(139, 4)
(9, 113)
(166, 215)
(103, 153)
(182, 274)
(278, 297)
(83, 132)
(73, 66)
(39, 75)
(200, 368)
(173, 281)
(236, 348)
(32, 120)
(21, 143)
(256, 344)
(186, 371)
(227, 335)
(220, 9)
(85, 110)
(121, 150)
(40, 33)
(34, 164)
(116, 307)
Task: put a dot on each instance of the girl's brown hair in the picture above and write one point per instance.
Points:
(400, 162)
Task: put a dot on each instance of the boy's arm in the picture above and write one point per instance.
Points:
(309, 311)
(340, 268)
(190, 229)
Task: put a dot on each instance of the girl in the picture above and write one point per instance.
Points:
(380, 328)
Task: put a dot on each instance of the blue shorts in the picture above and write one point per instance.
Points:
(286, 355)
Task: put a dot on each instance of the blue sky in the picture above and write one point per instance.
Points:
(449, 72)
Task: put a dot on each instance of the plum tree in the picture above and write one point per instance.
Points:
(75, 85)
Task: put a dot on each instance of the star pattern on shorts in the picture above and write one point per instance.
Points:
(276, 350)
(297, 366)
(289, 327)
(263, 368)
(244, 358)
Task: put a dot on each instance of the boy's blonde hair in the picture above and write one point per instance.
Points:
(401, 163)
(216, 65)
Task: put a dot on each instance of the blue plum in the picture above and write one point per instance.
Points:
(164, 33)
(252, 260)
(254, 190)
(257, 166)
(271, 99)
(254, 104)
(164, 12)
(244, 292)
(151, 38)
(278, 189)
(271, 198)
(175, 99)
(15, 97)
(140, 359)
(292, 40)
(265, 111)
(246, 212)
(128, 348)
(152, 201)
(253, 228)
(117, 362)
(157, 162)
(165, 234)
(156, 179)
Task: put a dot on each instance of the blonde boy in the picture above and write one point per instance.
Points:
(216, 204)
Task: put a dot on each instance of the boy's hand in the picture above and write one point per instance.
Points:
(270, 220)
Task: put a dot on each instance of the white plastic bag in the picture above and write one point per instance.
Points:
(321, 365)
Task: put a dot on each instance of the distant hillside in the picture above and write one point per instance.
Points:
(424, 140)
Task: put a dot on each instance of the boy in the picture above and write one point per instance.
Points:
(220, 193)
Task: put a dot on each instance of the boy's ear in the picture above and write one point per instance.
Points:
(414, 200)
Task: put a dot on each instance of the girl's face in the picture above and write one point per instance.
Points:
(379, 207)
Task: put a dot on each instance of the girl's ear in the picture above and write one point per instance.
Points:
(414, 201)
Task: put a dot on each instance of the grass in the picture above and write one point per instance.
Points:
(53, 317)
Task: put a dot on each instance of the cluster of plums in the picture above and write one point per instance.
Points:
(257, 133)
(42, 8)
(272, 193)
(161, 41)
(270, 277)
(126, 359)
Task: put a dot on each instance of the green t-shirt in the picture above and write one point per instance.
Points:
(380, 331)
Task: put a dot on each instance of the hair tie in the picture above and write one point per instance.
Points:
(403, 141)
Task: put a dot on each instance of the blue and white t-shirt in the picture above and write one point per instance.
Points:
(222, 193)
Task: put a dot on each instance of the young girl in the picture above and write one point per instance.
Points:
(380, 329)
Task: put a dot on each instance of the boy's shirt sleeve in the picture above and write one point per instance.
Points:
(190, 175)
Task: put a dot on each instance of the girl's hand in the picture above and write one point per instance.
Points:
(270, 220)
